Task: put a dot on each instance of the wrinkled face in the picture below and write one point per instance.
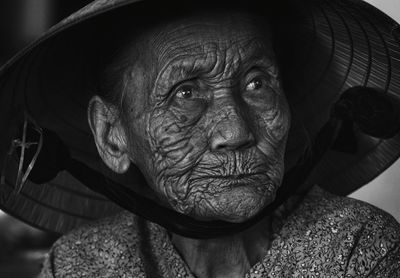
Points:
(207, 121)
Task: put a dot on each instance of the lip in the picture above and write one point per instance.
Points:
(234, 176)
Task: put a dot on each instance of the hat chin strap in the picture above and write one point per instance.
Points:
(54, 157)
(354, 105)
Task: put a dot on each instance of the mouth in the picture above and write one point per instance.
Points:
(235, 176)
(233, 169)
(256, 181)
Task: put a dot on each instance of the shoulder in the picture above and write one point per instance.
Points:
(329, 213)
(103, 248)
(322, 205)
(352, 237)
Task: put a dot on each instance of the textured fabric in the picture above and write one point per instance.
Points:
(324, 236)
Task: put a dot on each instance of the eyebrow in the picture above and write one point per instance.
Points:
(181, 69)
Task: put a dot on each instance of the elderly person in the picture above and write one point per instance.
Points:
(197, 102)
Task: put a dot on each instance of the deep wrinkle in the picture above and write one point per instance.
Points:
(215, 61)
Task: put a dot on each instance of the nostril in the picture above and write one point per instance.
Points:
(232, 132)
(247, 144)
(221, 141)
(219, 147)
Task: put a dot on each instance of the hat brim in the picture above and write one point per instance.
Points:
(338, 45)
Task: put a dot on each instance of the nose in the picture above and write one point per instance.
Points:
(231, 133)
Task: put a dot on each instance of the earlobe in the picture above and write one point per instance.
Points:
(109, 135)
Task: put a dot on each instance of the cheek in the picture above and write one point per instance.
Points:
(273, 121)
(176, 141)
(272, 128)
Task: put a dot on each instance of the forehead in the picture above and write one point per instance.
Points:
(207, 38)
(221, 28)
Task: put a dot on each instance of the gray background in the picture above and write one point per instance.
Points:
(384, 191)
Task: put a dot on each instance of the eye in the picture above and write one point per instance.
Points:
(255, 84)
(185, 92)
(189, 90)
(188, 98)
(259, 89)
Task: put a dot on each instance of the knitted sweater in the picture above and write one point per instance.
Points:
(324, 236)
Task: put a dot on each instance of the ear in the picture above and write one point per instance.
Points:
(109, 135)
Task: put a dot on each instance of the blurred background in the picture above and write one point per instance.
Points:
(22, 248)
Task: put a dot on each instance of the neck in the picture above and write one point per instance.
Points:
(230, 256)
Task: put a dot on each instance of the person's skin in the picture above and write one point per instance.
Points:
(206, 121)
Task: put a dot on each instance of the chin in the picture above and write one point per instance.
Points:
(236, 205)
